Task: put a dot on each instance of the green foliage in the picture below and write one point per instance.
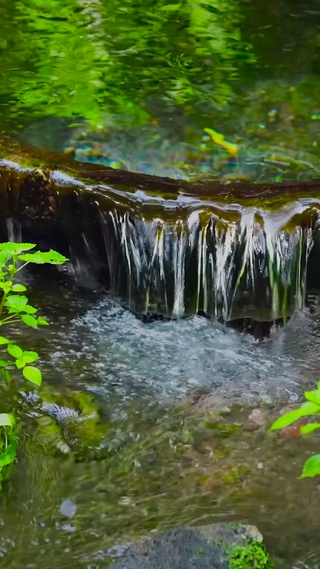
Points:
(15, 308)
(8, 445)
(251, 555)
(107, 57)
(310, 407)
(286, 420)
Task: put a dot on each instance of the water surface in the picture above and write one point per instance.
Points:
(155, 458)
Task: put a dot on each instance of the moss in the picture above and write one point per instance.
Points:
(235, 474)
(225, 428)
(71, 420)
(198, 554)
(251, 555)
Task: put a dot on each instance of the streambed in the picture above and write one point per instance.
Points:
(177, 433)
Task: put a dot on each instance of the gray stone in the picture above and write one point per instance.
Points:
(203, 547)
(68, 508)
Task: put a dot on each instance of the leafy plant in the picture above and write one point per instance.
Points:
(310, 407)
(15, 308)
(8, 445)
(251, 555)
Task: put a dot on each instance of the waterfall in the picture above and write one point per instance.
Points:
(169, 247)
(14, 230)
(206, 260)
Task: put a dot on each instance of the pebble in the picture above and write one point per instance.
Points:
(258, 417)
(68, 508)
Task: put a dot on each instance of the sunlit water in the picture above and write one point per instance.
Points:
(160, 460)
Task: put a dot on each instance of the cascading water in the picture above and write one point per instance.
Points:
(228, 264)
(238, 252)
(14, 230)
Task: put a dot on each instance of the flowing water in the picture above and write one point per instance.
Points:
(118, 443)
(252, 265)
(144, 424)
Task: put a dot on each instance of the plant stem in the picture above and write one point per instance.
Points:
(22, 266)
(12, 272)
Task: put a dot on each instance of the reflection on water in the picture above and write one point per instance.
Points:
(248, 70)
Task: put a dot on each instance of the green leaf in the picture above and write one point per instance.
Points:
(307, 408)
(9, 455)
(51, 257)
(26, 358)
(6, 375)
(32, 374)
(311, 467)
(4, 258)
(14, 351)
(6, 286)
(3, 341)
(16, 248)
(28, 309)
(30, 356)
(16, 303)
(42, 321)
(170, 8)
(7, 420)
(306, 429)
(4, 364)
(29, 320)
(18, 308)
(18, 288)
(313, 396)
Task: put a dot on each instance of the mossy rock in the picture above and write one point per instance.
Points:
(219, 546)
(70, 421)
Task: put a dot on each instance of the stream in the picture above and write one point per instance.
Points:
(143, 426)
(176, 434)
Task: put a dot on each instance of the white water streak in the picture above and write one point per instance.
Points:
(14, 231)
(224, 266)
(180, 246)
(230, 260)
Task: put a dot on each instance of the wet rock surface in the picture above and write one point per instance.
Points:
(168, 248)
(204, 547)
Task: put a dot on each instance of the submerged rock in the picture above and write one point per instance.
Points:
(69, 421)
(259, 417)
(219, 546)
(68, 508)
